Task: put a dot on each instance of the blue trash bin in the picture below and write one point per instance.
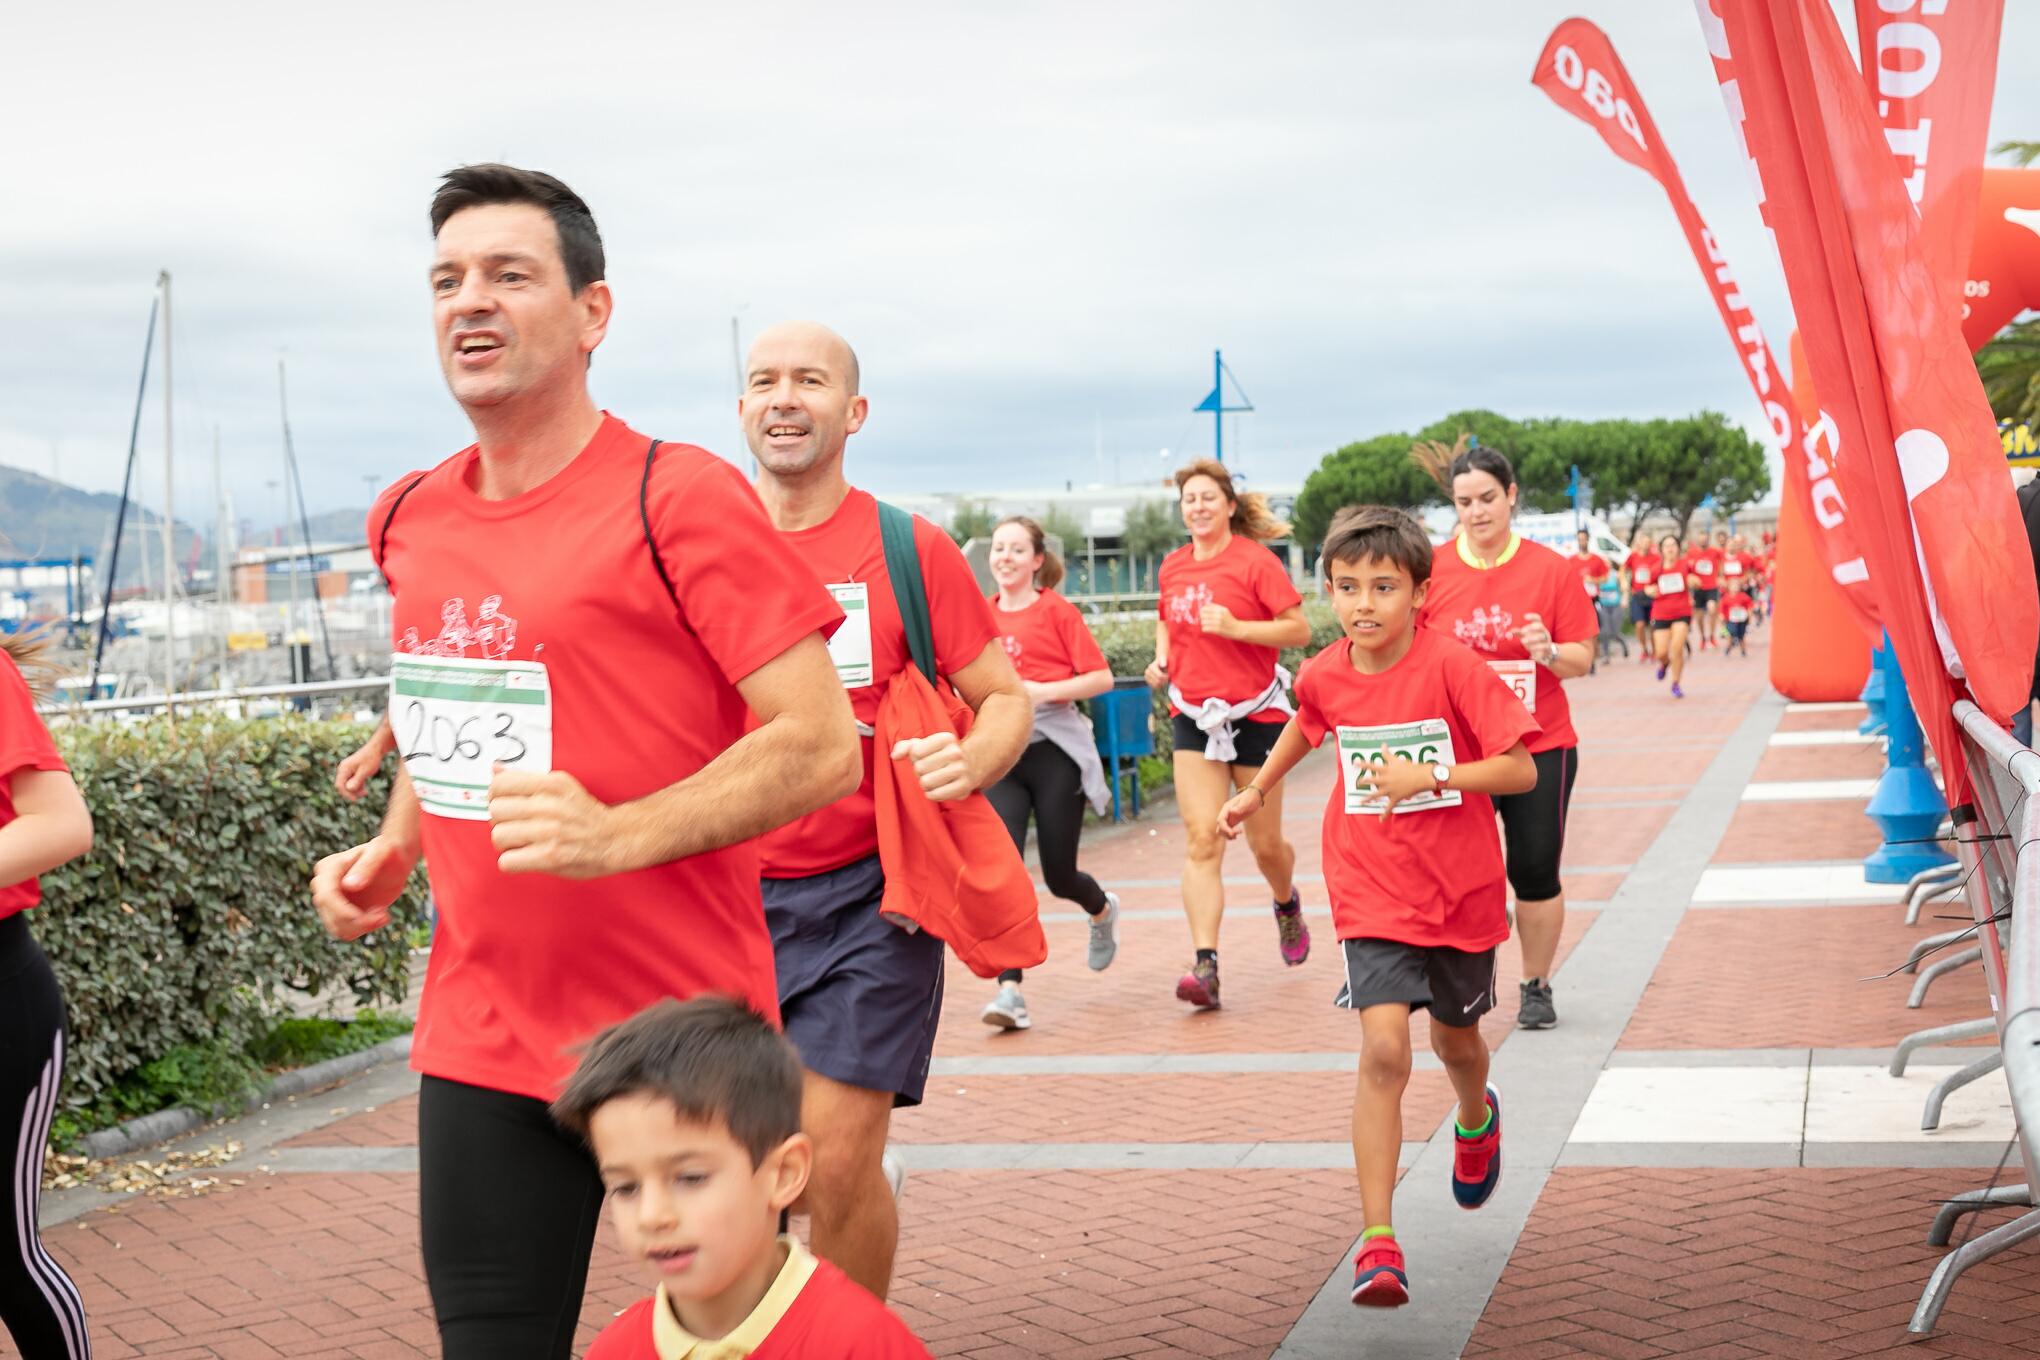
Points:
(1123, 720)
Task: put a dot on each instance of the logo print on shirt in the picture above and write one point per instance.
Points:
(1485, 630)
(492, 632)
(1012, 647)
(1187, 606)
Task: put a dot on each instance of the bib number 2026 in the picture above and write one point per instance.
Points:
(456, 719)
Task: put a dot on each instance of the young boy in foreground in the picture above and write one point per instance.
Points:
(1737, 609)
(1425, 733)
(693, 1112)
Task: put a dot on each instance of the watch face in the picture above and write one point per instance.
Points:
(1441, 773)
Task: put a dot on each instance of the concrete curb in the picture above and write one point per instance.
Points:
(164, 1125)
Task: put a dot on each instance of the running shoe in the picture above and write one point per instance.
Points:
(1534, 1009)
(1199, 986)
(1661, 672)
(1677, 693)
(1477, 1162)
(1007, 1010)
(1379, 1280)
(1290, 929)
(1104, 935)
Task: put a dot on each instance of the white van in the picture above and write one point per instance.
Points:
(1558, 532)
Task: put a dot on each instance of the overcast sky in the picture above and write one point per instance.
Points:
(1035, 222)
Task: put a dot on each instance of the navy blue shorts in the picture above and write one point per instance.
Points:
(859, 997)
(1639, 608)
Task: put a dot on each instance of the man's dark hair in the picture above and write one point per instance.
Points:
(1361, 532)
(717, 1060)
(476, 186)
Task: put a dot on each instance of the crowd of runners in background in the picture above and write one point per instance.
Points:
(702, 744)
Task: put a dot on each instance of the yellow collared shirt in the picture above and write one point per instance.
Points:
(675, 1342)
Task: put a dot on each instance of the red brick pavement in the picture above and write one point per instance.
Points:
(1812, 830)
(1793, 977)
(1733, 1265)
(1864, 761)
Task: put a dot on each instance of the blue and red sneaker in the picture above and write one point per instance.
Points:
(1379, 1280)
(1477, 1161)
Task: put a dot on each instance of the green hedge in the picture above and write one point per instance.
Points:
(190, 925)
(1129, 645)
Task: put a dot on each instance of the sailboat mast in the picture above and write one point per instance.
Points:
(169, 536)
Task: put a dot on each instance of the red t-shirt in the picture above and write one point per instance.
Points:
(25, 744)
(1048, 640)
(1592, 568)
(1482, 607)
(846, 549)
(1250, 580)
(1642, 569)
(1705, 565)
(1675, 585)
(526, 966)
(832, 1318)
(1734, 600)
(1739, 569)
(1425, 876)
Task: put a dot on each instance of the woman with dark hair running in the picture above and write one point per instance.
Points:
(1059, 663)
(1518, 605)
(1228, 608)
(43, 823)
(1671, 611)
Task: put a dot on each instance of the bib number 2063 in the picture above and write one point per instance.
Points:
(456, 718)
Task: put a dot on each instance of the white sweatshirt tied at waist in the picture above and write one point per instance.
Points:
(1216, 718)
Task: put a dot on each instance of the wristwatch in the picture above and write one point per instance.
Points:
(1439, 774)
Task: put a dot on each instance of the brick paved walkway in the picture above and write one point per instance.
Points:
(1706, 1159)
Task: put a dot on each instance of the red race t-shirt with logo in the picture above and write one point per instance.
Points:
(643, 695)
(845, 551)
(1675, 584)
(25, 744)
(1642, 569)
(1048, 640)
(1248, 579)
(1705, 565)
(1737, 601)
(1593, 569)
(1739, 569)
(1432, 873)
(1483, 607)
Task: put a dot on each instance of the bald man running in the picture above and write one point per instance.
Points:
(860, 997)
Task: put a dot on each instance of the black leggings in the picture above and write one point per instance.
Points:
(1048, 783)
(507, 1206)
(1533, 826)
(38, 1302)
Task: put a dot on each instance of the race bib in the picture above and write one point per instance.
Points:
(1738, 615)
(457, 717)
(1425, 743)
(1521, 678)
(1731, 567)
(850, 648)
(1704, 567)
(1671, 582)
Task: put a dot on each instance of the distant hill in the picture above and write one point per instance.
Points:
(44, 518)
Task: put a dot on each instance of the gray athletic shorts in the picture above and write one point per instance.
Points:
(1458, 988)
(858, 996)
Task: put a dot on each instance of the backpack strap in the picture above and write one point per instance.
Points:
(382, 540)
(645, 518)
(903, 564)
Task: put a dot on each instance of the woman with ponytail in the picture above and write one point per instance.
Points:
(1059, 663)
(1519, 606)
(1228, 608)
(43, 823)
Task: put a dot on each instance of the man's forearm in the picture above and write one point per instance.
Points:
(400, 817)
(768, 778)
(998, 737)
(1273, 632)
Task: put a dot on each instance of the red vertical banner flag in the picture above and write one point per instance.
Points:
(1902, 411)
(1930, 67)
(1580, 71)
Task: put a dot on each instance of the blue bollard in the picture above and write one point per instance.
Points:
(1906, 805)
(1873, 693)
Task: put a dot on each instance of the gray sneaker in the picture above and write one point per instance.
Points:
(1104, 935)
(1007, 1010)
(1534, 1009)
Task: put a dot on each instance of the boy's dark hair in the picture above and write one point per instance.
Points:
(475, 186)
(1360, 532)
(717, 1060)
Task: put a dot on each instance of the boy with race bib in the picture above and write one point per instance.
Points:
(1426, 735)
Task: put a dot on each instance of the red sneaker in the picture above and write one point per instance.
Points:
(1379, 1280)
(1199, 986)
(1477, 1162)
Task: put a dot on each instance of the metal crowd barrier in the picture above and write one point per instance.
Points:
(2003, 887)
(312, 689)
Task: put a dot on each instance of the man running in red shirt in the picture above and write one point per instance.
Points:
(860, 997)
(584, 795)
